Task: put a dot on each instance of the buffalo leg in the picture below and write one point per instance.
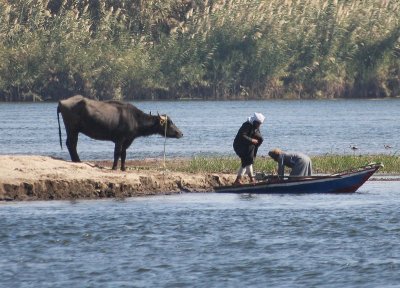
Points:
(123, 153)
(123, 157)
(117, 154)
(72, 141)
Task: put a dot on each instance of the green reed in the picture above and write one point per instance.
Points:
(325, 164)
(228, 49)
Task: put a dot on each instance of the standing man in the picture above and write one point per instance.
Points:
(299, 163)
(246, 144)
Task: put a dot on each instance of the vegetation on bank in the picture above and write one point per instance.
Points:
(213, 49)
(325, 164)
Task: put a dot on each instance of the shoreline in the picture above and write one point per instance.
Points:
(34, 177)
(25, 177)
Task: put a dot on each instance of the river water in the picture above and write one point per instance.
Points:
(205, 240)
(210, 240)
(313, 127)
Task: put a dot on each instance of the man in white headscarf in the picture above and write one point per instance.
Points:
(246, 144)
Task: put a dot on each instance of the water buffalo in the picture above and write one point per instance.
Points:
(112, 120)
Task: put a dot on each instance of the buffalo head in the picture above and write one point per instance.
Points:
(168, 128)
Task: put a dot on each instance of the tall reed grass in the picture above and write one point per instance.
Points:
(220, 49)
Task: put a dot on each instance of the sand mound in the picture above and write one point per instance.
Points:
(43, 178)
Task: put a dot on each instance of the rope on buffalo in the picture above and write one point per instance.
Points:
(165, 138)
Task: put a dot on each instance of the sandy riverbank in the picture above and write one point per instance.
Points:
(45, 178)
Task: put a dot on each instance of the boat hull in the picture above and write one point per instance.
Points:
(339, 183)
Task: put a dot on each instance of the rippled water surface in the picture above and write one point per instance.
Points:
(205, 240)
(210, 240)
(314, 127)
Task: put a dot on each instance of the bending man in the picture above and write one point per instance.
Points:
(246, 144)
(299, 163)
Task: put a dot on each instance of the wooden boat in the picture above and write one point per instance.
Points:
(344, 182)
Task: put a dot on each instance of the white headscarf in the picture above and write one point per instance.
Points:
(256, 117)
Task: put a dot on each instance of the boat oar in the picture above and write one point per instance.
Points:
(311, 177)
(274, 178)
